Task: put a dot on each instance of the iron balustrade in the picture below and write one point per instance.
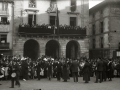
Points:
(52, 30)
(36, 30)
(4, 45)
(4, 12)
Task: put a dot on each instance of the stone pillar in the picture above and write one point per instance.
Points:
(42, 47)
(63, 51)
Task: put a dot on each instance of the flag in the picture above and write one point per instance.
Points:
(57, 21)
(51, 8)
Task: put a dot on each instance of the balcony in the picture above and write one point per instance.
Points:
(29, 30)
(50, 30)
(72, 31)
(4, 12)
(4, 28)
(4, 46)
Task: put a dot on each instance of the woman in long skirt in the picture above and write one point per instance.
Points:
(86, 72)
(65, 71)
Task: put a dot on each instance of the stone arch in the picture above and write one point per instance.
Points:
(31, 49)
(52, 49)
(73, 50)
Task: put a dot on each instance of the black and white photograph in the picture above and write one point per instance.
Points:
(59, 44)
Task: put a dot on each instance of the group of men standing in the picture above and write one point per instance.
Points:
(103, 69)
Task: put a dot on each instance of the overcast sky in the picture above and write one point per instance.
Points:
(94, 2)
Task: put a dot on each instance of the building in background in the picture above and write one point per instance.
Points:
(55, 28)
(104, 32)
(6, 26)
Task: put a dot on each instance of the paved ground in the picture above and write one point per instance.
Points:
(44, 84)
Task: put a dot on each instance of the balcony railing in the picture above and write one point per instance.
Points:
(4, 28)
(3, 12)
(63, 30)
(4, 45)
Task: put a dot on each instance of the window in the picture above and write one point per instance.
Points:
(93, 27)
(4, 6)
(101, 42)
(72, 21)
(93, 43)
(73, 5)
(52, 20)
(101, 27)
(3, 38)
(32, 3)
(31, 19)
(4, 19)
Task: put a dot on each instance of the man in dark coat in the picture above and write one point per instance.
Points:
(38, 70)
(74, 67)
(15, 74)
(59, 70)
(54, 69)
(86, 72)
(65, 71)
(105, 69)
(49, 69)
(99, 70)
(17, 70)
(24, 69)
(110, 70)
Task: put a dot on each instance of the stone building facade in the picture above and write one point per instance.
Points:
(35, 42)
(6, 27)
(104, 29)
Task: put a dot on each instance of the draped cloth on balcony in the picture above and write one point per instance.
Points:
(53, 8)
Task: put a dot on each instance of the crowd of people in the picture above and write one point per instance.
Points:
(16, 67)
(48, 26)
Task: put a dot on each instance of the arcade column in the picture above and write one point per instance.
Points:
(63, 51)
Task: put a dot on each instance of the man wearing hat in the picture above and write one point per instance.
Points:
(99, 69)
(24, 69)
(59, 70)
(110, 70)
(15, 74)
(74, 67)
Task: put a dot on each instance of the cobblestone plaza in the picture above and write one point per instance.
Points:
(45, 84)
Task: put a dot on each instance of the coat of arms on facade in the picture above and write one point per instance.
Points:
(32, 3)
(53, 7)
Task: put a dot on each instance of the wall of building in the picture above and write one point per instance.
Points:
(43, 17)
(8, 28)
(96, 20)
(19, 47)
(111, 19)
